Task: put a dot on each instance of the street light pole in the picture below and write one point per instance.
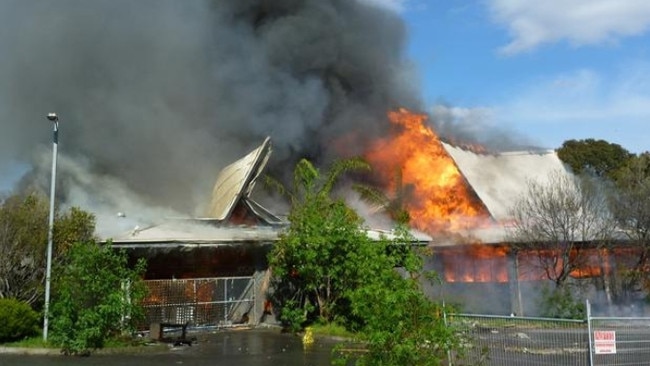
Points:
(50, 232)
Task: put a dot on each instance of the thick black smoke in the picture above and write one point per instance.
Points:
(161, 94)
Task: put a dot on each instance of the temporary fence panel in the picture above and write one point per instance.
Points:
(503, 340)
(223, 301)
(618, 340)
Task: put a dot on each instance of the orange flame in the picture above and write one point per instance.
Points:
(475, 263)
(441, 199)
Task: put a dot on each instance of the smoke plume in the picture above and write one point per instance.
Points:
(159, 95)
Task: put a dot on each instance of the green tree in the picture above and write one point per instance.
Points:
(316, 261)
(326, 265)
(631, 209)
(592, 156)
(105, 306)
(23, 243)
(23, 238)
(71, 227)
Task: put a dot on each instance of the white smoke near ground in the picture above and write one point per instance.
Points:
(117, 208)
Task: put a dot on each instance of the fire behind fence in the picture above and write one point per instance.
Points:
(595, 341)
(488, 339)
(221, 302)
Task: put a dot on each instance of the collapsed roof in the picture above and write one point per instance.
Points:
(235, 185)
(233, 217)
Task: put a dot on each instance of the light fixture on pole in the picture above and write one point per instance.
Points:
(50, 231)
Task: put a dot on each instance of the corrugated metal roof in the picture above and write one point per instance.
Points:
(194, 231)
(237, 180)
(201, 232)
(264, 214)
(500, 179)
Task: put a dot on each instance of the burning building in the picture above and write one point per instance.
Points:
(210, 270)
(464, 197)
(201, 256)
(461, 197)
(170, 82)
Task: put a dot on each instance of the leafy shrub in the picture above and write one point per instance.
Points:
(97, 297)
(294, 315)
(401, 325)
(17, 320)
(561, 303)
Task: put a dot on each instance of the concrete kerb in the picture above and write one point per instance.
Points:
(29, 351)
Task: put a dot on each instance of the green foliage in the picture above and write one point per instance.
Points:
(319, 257)
(96, 297)
(562, 303)
(18, 320)
(23, 236)
(332, 329)
(325, 261)
(597, 157)
(73, 226)
(402, 326)
(630, 207)
(23, 240)
(35, 341)
(295, 314)
(393, 204)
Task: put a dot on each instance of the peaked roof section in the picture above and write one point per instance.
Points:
(236, 181)
(500, 179)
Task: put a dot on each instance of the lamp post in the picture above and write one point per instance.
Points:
(50, 232)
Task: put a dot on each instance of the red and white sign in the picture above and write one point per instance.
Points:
(604, 342)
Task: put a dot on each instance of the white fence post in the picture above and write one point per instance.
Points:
(591, 345)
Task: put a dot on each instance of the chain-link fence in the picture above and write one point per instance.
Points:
(223, 302)
(502, 340)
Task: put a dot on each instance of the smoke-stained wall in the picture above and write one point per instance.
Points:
(161, 94)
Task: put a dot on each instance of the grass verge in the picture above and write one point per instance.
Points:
(331, 330)
(31, 342)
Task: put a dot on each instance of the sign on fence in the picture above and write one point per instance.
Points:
(604, 342)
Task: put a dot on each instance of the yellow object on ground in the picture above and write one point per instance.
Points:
(308, 338)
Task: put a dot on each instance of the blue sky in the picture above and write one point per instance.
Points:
(551, 70)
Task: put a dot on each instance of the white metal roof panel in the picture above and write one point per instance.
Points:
(195, 231)
(237, 180)
(500, 179)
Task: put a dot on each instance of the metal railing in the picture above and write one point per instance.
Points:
(221, 302)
